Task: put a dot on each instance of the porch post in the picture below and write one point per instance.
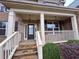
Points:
(74, 26)
(11, 23)
(42, 27)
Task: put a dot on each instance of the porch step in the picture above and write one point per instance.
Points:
(26, 50)
(25, 53)
(27, 42)
(26, 57)
(27, 47)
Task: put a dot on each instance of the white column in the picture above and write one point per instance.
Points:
(74, 26)
(42, 27)
(11, 23)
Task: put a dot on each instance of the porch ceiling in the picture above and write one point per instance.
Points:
(36, 17)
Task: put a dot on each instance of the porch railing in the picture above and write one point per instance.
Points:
(58, 36)
(9, 45)
(39, 45)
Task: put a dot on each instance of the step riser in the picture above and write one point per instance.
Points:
(26, 57)
(27, 48)
(26, 51)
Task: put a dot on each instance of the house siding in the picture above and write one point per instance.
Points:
(3, 16)
(66, 25)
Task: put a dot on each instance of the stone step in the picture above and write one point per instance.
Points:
(26, 57)
(25, 53)
(26, 47)
(28, 42)
(26, 50)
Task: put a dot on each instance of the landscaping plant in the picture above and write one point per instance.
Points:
(51, 51)
(73, 42)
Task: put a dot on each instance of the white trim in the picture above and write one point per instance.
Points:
(7, 39)
(25, 30)
(38, 12)
(10, 57)
(6, 29)
(39, 45)
(74, 26)
(11, 23)
(25, 38)
(42, 27)
(60, 41)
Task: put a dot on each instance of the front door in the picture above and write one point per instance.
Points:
(31, 31)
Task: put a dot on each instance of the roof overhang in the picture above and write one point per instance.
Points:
(38, 6)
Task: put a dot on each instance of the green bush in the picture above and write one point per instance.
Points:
(51, 51)
(35, 0)
(73, 42)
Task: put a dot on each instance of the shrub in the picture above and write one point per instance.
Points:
(51, 51)
(73, 42)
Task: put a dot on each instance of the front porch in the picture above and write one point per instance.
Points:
(53, 27)
(38, 22)
(44, 27)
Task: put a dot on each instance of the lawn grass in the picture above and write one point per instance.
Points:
(51, 51)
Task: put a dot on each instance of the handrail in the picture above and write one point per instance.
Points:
(60, 31)
(39, 38)
(9, 45)
(39, 45)
(7, 39)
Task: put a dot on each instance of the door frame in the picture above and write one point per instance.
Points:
(31, 36)
(26, 25)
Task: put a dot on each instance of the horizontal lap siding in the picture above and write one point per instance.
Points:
(3, 16)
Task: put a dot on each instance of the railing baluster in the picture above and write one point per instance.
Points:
(58, 36)
(8, 46)
(1, 52)
(5, 51)
(39, 45)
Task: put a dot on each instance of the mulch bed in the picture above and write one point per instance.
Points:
(69, 51)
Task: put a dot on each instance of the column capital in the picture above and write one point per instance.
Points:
(11, 12)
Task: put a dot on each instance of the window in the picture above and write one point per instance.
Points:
(50, 26)
(2, 8)
(30, 29)
(2, 28)
(16, 26)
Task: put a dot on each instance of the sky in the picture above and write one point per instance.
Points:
(68, 2)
